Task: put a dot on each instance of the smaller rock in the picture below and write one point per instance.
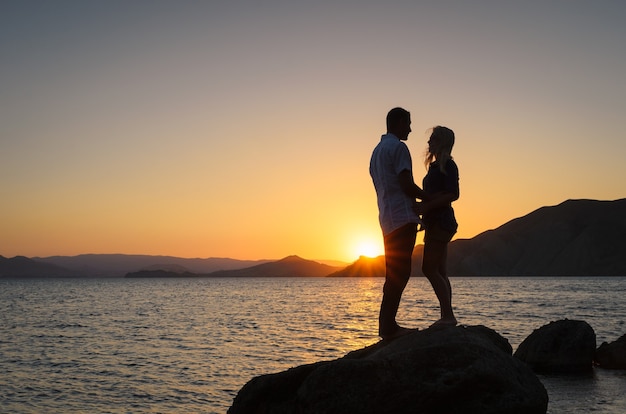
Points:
(565, 346)
(612, 355)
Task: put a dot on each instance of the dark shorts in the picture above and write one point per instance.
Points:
(399, 245)
(435, 233)
(400, 242)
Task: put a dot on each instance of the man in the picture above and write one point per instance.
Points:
(392, 173)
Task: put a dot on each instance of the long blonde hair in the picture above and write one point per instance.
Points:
(444, 138)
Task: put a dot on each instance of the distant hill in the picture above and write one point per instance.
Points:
(363, 267)
(23, 267)
(159, 273)
(118, 265)
(574, 238)
(290, 266)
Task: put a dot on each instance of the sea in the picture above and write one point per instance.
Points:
(188, 345)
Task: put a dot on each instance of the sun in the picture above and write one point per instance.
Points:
(368, 248)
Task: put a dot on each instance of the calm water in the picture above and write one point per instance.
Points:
(188, 346)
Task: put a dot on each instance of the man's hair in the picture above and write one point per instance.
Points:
(397, 116)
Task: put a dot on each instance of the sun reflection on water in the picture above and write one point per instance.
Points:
(185, 345)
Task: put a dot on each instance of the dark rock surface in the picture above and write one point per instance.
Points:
(438, 370)
(612, 355)
(565, 346)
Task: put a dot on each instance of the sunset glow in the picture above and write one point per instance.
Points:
(369, 248)
(222, 129)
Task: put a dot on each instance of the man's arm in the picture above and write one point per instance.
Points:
(409, 187)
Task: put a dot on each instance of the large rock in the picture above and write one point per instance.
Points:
(565, 346)
(439, 370)
(612, 355)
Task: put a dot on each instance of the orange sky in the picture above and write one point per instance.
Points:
(217, 130)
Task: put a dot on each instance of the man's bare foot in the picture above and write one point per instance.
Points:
(401, 331)
(445, 322)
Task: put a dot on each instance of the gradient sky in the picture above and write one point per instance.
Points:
(244, 129)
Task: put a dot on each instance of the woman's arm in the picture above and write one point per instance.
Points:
(449, 190)
(435, 201)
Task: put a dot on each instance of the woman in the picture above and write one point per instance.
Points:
(441, 183)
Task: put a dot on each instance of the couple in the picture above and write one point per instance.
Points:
(399, 215)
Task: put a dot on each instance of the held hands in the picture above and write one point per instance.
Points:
(420, 208)
(433, 202)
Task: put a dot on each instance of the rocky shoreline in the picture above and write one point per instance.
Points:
(469, 369)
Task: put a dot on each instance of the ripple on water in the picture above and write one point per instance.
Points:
(129, 345)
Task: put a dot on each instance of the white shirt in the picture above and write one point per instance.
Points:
(395, 208)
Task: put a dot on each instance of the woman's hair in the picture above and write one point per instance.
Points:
(444, 141)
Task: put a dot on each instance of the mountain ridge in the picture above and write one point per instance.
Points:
(23, 267)
(574, 238)
(290, 266)
(118, 265)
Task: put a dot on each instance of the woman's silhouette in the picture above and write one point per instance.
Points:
(441, 185)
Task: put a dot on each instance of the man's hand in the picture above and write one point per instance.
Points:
(419, 208)
(408, 185)
(434, 201)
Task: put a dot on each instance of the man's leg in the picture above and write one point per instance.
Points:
(399, 246)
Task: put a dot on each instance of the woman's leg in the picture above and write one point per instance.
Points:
(433, 265)
(443, 270)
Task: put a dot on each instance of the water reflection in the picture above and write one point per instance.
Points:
(185, 345)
